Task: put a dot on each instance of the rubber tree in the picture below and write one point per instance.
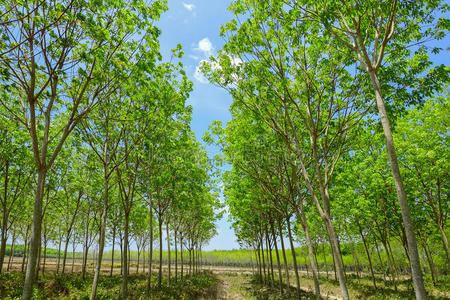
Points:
(373, 31)
(68, 66)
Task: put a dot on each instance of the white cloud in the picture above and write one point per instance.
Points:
(205, 46)
(189, 7)
(199, 76)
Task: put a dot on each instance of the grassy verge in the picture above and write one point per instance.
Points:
(251, 288)
(72, 286)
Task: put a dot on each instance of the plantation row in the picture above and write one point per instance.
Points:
(339, 136)
(96, 146)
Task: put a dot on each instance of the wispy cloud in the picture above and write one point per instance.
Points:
(198, 74)
(189, 7)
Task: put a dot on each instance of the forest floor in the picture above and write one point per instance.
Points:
(224, 283)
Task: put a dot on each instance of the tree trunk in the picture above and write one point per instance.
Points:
(313, 262)
(150, 252)
(325, 258)
(430, 263)
(280, 278)
(176, 255)
(125, 258)
(379, 258)
(445, 242)
(102, 236)
(112, 251)
(25, 243)
(269, 256)
(168, 251)
(368, 255)
(416, 271)
(390, 264)
(73, 256)
(160, 250)
(258, 260)
(35, 237)
(263, 259)
(66, 245)
(337, 257)
(4, 237)
(294, 257)
(283, 252)
(181, 254)
(59, 254)
(11, 255)
(139, 254)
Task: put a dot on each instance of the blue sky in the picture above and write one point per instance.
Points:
(195, 24)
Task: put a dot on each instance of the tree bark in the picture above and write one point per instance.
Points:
(368, 255)
(11, 255)
(416, 271)
(125, 258)
(280, 277)
(102, 236)
(112, 251)
(160, 250)
(168, 251)
(294, 257)
(283, 252)
(35, 237)
(150, 251)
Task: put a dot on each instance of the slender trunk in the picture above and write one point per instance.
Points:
(263, 259)
(168, 251)
(66, 245)
(280, 278)
(390, 264)
(38, 264)
(129, 258)
(45, 254)
(283, 252)
(139, 254)
(253, 267)
(430, 263)
(160, 250)
(325, 258)
(334, 243)
(143, 259)
(334, 264)
(85, 249)
(445, 242)
(35, 237)
(24, 254)
(150, 252)
(121, 252)
(11, 256)
(4, 237)
(379, 258)
(181, 254)
(59, 254)
(416, 271)
(190, 255)
(368, 255)
(259, 264)
(313, 262)
(102, 236)
(125, 258)
(294, 257)
(73, 256)
(269, 256)
(176, 255)
(112, 251)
